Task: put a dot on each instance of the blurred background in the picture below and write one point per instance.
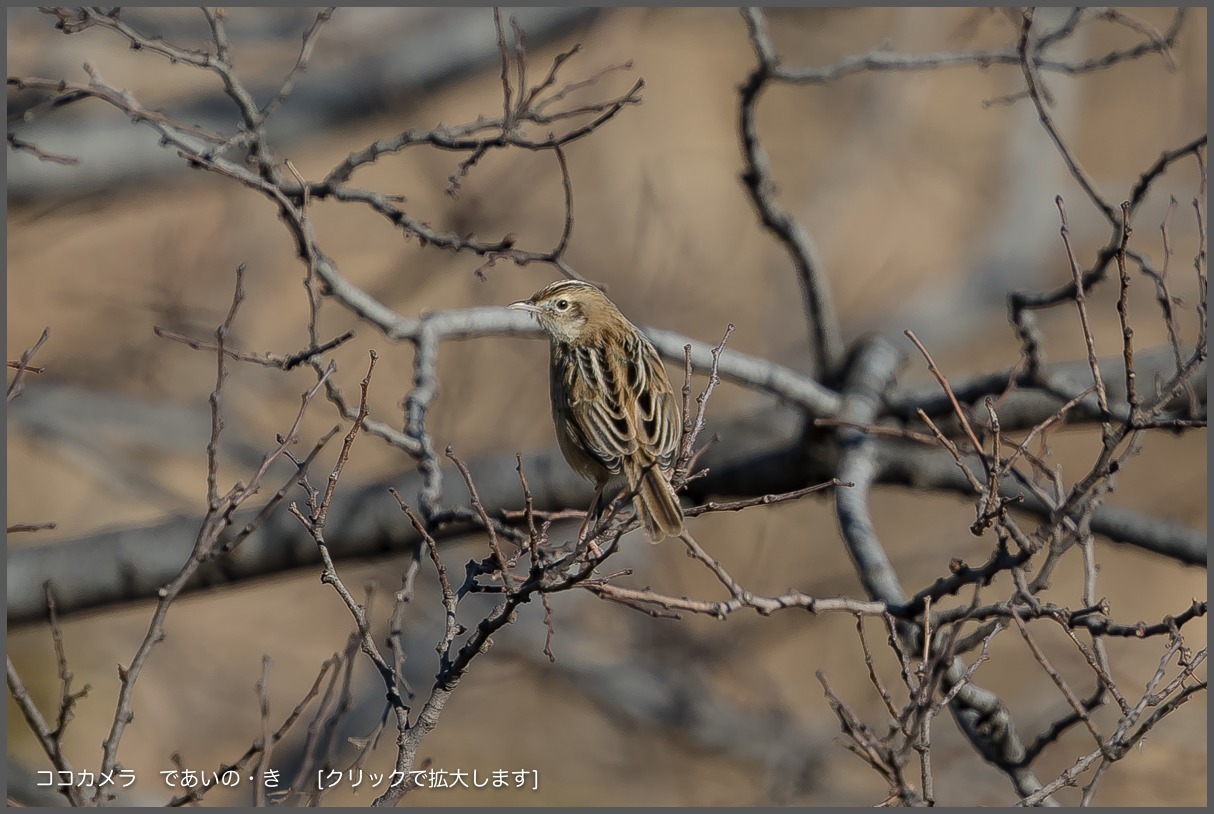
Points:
(927, 206)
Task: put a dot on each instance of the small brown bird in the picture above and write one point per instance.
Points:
(617, 419)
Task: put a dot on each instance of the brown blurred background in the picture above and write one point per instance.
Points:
(927, 207)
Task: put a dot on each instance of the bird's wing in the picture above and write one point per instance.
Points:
(622, 402)
(601, 407)
(658, 427)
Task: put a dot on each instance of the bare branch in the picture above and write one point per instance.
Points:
(827, 344)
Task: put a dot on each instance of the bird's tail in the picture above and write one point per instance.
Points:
(656, 503)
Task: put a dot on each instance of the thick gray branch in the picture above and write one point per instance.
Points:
(758, 455)
(979, 713)
(870, 376)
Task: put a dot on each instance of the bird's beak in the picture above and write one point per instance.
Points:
(524, 305)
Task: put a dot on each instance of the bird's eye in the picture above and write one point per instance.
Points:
(562, 305)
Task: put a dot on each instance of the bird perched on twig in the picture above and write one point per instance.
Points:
(617, 419)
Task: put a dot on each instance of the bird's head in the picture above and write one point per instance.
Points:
(570, 311)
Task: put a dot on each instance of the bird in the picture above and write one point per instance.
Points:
(616, 416)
